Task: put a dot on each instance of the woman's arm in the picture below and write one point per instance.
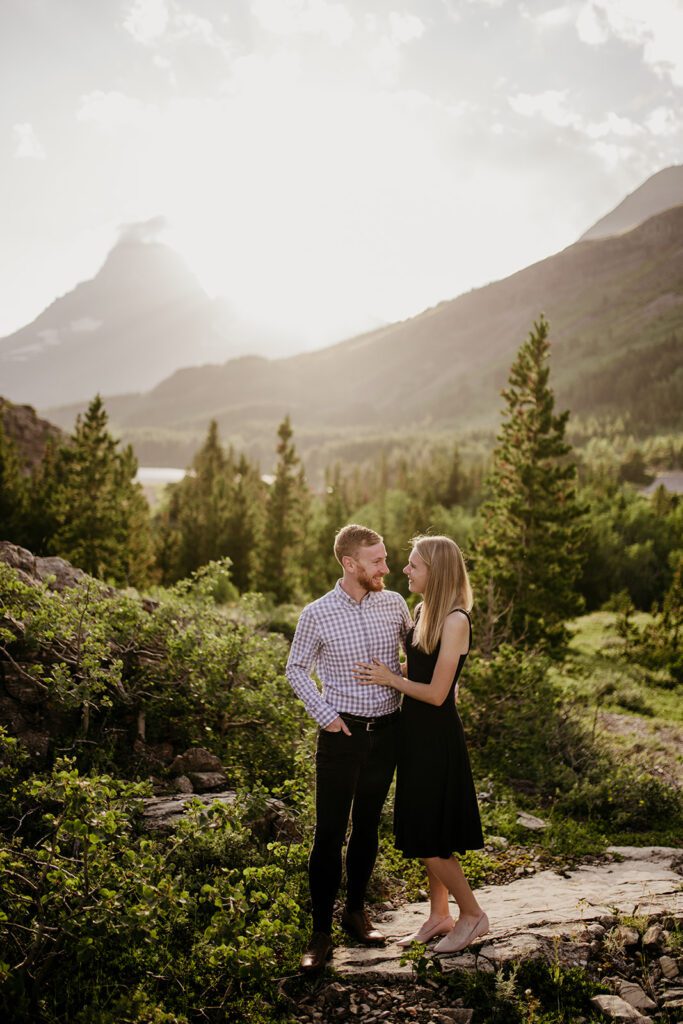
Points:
(454, 642)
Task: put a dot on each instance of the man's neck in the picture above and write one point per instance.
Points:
(353, 589)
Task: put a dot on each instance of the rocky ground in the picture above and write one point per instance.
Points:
(619, 921)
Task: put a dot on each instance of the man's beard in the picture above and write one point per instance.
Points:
(370, 583)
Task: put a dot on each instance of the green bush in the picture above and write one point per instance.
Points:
(106, 661)
(100, 922)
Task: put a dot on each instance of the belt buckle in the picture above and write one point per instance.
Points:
(370, 726)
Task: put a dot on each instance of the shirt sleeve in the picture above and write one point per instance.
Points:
(303, 656)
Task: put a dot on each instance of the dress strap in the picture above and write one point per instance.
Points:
(469, 620)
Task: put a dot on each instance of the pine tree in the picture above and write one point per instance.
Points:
(245, 523)
(13, 491)
(100, 513)
(214, 512)
(281, 570)
(528, 557)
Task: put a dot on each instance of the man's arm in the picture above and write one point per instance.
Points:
(303, 655)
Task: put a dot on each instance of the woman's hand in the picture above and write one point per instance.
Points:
(375, 673)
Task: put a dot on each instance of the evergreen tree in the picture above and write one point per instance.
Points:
(245, 523)
(13, 491)
(529, 552)
(40, 523)
(214, 512)
(282, 568)
(100, 513)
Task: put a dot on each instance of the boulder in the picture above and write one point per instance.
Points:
(195, 759)
(207, 782)
(34, 569)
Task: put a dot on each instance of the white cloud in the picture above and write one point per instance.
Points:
(612, 124)
(556, 17)
(112, 110)
(147, 20)
(309, 17)
(405, 28)
(550, 105)
(384, 58)
(663, 121)
(591, 25)
(28, 147)
(655, 26)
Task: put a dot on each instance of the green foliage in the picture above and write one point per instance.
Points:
(629, 545)
(13, 489)
(527, 992)
(528, 555)
(215, 512)
(281, 565)
(101, 922)
(107, 663)
(621, 798)
(659, 645)
(97, 516)
(518, 729)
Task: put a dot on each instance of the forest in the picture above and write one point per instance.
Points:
(176, 636)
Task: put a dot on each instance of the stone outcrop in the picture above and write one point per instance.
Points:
(28, 431)
(164, 813)
(569, 916)
(32, 569)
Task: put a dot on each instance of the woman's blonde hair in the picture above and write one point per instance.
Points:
(448, 587)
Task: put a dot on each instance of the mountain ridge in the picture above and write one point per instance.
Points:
(608, 300)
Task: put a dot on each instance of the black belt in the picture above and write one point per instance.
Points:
(370, 724)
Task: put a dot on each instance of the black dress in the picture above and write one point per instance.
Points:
(436, 810)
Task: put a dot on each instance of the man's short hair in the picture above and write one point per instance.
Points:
(352, 537)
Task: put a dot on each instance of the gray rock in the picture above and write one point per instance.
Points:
(669, 966)
(183, 785)
(530, 914)
(531, 822)
(195, 759)
(618, 1009)
(635, 996)
(653, 937)
(163, 813)
(625, 936)
(207, 782)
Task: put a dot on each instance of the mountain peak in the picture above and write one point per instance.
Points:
(660, 192)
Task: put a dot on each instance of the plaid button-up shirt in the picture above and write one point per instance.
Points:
(335, 632)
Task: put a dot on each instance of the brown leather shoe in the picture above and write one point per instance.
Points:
(318, 950)
(358, 924)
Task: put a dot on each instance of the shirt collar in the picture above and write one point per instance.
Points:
(370, 597)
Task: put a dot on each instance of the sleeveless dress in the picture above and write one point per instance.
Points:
(436, 811)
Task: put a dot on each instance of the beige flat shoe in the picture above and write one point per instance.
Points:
(451, 944)
(424, 934)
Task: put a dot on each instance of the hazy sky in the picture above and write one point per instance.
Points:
(325, 164)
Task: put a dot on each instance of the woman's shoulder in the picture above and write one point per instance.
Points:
(457, 623)
(459, 615)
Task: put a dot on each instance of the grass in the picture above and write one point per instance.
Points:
(638, 713)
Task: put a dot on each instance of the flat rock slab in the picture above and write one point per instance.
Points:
(546, 913)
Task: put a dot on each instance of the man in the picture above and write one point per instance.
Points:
(356, 751)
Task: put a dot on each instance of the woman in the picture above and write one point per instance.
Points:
(436, 810)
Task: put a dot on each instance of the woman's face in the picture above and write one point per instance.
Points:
(417, 572)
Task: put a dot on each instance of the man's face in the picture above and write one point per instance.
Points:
(371, 567)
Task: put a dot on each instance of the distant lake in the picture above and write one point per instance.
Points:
(159, 475)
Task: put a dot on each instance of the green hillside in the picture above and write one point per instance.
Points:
(615, 307)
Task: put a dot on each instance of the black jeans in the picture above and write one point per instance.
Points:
(353, 775)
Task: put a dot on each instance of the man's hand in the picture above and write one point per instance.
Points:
(339, 725)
